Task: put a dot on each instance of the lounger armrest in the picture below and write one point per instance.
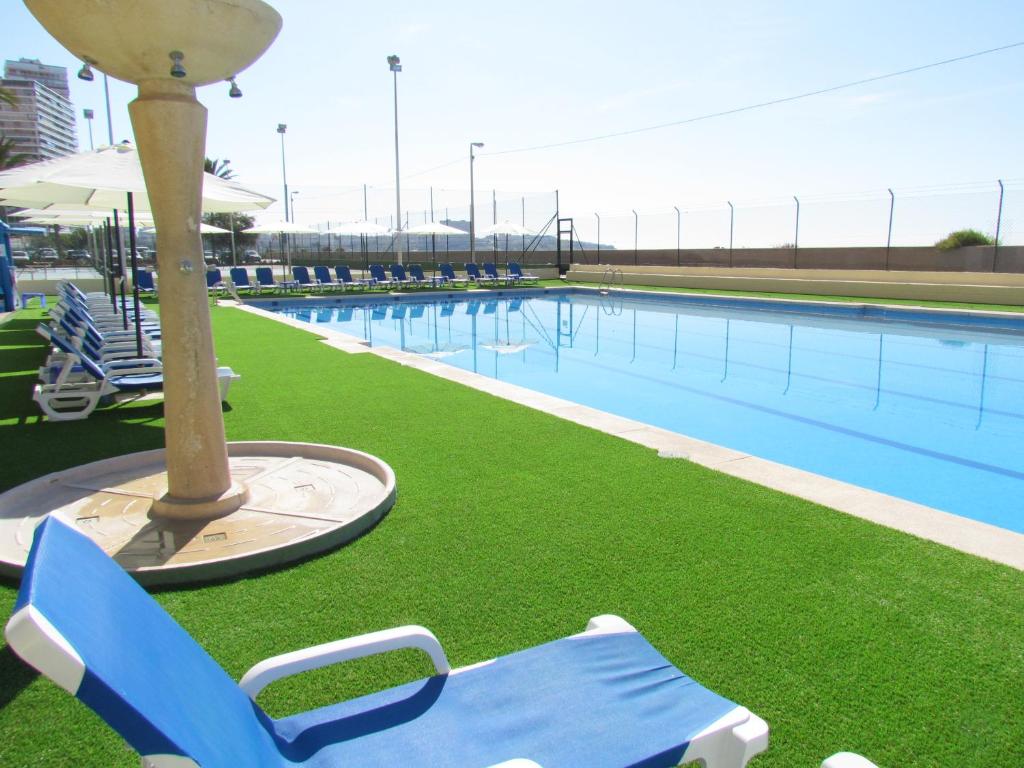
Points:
(372, 643)
(132, 365)
(847, 760)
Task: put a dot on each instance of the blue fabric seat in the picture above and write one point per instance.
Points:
(605, 697)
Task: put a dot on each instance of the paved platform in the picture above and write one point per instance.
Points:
(304, 498)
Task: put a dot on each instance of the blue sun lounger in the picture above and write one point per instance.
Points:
(517, 273)
(398, 275)
(473, 272)
(74, 390)
(448, 273)
(602, 698)
(240, 280)
(347, 281)
(379, 278)
(214, 281)
(300, 275)
(144, 279)
(323, 276)
(491, 271)
(265, 279)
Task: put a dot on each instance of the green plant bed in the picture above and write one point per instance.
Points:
(513, 527)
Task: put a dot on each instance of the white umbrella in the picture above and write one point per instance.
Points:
(357, 228)
(204, 229)
(433, 228)
(504, 228)
(100, 179)
(282, 228)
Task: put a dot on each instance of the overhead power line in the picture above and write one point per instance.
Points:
(750, 107)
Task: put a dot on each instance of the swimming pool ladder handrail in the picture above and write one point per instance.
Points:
(608, 280)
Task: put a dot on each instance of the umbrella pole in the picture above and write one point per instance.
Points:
(120, 270)
(135, 273)
(108, 261)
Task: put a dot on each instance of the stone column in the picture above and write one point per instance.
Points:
(170, 130)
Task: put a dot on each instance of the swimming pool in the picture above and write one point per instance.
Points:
(921, 405)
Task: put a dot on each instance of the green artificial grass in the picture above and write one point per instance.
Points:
(513, 527)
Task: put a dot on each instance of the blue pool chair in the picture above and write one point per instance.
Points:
(448, 273)
(418, 278)
(323, 276)
(604, 697)
(517, 273)
(144, 279)
(473, 272)
(240, 280)
(302, 280)
(265, 279)
(74, 390)
(491, 270)
(345, 278)
(214, 281)
(378, 278)
(401, 279)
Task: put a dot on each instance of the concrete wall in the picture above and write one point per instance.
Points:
(973, 287)
(972, 259)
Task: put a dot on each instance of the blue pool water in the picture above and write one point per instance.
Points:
(927, 411)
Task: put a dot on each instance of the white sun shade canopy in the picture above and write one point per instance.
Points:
(102, 178)
(503, 228)
(281, 228)
(358, 228)
(433, 228)
(204, 229)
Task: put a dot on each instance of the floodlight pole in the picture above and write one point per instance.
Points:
(598, 217)
(281, 129)
(395, 64)
(472, 203)
(999, 224)
(732, 213)
(636, 237)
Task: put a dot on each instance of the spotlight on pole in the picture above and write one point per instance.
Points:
(177, 70)
(235, 92)
(85, 73)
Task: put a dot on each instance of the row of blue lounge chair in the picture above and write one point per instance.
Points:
(94, 359)
(323, 280)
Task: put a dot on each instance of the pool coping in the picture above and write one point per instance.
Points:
(970, 536)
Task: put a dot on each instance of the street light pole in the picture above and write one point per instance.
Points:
(88, 115)
(291, 202)
(472, 203)
(281, 128)
(396, 66)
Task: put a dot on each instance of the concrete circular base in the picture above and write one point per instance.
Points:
(303, 499)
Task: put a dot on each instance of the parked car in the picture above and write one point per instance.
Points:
(251, 257)
(80, 257)
(46, 254)
(19, 258)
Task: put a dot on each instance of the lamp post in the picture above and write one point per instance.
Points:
(396, 66)
(88, 115)
(291, 202)
(281, 128)
(472, 207)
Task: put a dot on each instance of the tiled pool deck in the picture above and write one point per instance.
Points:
(960, 533)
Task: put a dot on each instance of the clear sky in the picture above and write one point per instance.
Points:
(528, 73)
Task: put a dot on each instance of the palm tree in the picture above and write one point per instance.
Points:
(218, 168)
(7, 97)
(8, 157)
